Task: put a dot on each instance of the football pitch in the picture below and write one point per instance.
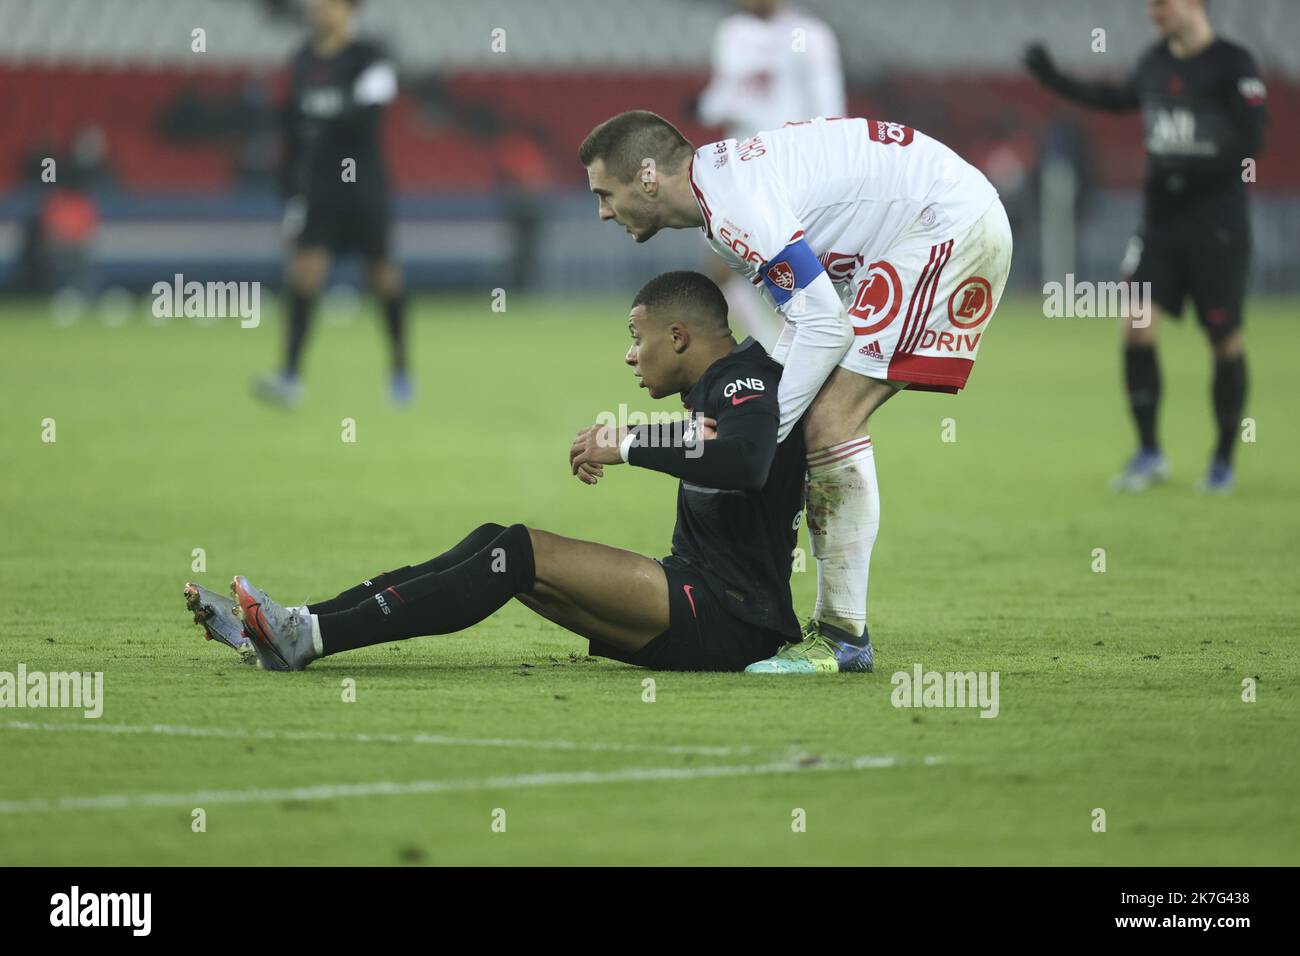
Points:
(1120, 690)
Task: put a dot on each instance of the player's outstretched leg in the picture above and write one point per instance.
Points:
(610, 596)
(217, 615)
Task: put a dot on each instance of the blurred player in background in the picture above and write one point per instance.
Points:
(885, 252)
(771, 65)
(336, 184)
(1202, 103)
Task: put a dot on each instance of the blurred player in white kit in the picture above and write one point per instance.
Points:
(772, 64)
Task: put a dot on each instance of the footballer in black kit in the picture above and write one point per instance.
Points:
(739, 505)
(1203, 107)
(719, 602)
(335, 183)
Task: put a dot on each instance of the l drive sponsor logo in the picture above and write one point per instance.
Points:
(755, 385)
(878, 299)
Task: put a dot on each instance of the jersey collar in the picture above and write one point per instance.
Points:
(699, 198)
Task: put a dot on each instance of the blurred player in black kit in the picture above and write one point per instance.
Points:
(1202, 103)
(335, 183)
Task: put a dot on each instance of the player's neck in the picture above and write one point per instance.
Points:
(1192, 41)
(684, 210)
(330, 43)
(702, 355)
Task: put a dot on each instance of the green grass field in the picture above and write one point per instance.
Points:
(1119, 690)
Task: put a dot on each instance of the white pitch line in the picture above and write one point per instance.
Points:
(337, 791)
(171, 730)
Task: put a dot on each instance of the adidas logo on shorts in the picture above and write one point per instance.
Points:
(872, 350)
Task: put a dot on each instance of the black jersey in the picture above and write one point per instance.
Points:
(1203, 116)
(334, 112)
(741, 495)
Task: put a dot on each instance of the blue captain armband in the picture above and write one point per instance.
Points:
(791, 270)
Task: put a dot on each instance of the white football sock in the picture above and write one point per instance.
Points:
(749, 313)
(843, 518)
(316, 644)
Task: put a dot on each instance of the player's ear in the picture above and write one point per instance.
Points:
(649, 176)
(681, 337)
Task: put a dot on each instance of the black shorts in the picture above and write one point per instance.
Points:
(345, 225)
(701, 635)
(1209, 265)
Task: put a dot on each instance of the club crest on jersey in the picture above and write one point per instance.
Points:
(782, 276)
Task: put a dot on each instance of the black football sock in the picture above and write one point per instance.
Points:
(395, 319)
(1229, 402)
(1142, 379)
(457, 553)
(440, 602)
(300, 308)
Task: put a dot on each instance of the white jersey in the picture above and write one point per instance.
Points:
(848, 187)
(798, 210)
(769, 71)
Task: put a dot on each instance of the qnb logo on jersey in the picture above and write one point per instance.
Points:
(74, 908)
(1173, 132)
(896, 134)
(878, 299)
(755, 385)
(782, 276)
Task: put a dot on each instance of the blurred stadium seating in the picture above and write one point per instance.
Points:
(178, 148)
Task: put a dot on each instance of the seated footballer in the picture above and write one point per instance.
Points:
(719, 602)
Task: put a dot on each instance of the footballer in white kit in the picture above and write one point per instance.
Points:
(885, 252)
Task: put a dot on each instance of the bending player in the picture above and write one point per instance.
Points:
(720, 601)
(919, 247)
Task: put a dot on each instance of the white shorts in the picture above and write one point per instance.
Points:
(920, 311)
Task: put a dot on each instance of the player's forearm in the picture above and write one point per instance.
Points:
(1113, 97)
(818, 346)
(737, 461)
